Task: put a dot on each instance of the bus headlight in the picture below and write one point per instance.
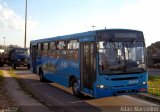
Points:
(144, 83)
(101, 86)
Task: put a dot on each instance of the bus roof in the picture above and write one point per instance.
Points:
(78, 35)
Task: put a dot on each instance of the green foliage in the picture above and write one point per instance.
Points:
(154, 85)
(154, 47)
(153, 78)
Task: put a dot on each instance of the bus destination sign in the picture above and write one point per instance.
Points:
(125, 34)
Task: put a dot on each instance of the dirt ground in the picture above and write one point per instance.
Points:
(6, 102)
(14, 99)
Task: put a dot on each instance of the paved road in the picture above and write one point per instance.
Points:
(54, 94)
(62, 98)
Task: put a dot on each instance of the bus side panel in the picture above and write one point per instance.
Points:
(73, 69)
(59, 71)
(64, 70)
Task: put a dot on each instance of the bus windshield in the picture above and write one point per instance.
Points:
(121, 57)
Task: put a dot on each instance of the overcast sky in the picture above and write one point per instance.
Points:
(49, 18)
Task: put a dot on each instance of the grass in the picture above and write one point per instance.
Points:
(154, 85)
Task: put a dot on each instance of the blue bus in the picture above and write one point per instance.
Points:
(98, 63)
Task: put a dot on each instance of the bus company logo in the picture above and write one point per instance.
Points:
(125, 76)
(75, 65)
(133, 81)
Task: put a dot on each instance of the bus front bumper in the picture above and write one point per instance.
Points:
(106, 92)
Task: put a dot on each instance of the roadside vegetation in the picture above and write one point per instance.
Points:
(154, 85)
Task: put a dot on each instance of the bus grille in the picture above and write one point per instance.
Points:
(127, 78)
(123, 86)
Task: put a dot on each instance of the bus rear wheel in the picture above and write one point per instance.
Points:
(76, 90)
(41, 76)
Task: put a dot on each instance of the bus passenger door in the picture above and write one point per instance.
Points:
(34, 56)
(88, 69)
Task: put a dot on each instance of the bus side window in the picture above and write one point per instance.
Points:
(45, 49)
(39, 51)
(72, 50)
(52, 49)
(61, 52)
(76, 55)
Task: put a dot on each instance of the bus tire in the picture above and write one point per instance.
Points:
(41, 76)
(76, 90)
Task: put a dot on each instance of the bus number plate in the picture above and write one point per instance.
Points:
(133, 81)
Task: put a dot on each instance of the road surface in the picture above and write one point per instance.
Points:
(56, 96)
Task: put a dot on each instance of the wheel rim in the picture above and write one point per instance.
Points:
(75, 88)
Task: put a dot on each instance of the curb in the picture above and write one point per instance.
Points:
(149, 97)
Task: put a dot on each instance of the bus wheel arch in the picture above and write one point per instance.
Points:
(72, 79)
(41, 76)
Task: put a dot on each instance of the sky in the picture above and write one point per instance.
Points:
(50, 18)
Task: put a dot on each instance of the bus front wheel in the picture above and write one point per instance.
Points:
(75, 89)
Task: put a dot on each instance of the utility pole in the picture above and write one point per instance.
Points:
(93, 27)
(25, 35)
(4, 41)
